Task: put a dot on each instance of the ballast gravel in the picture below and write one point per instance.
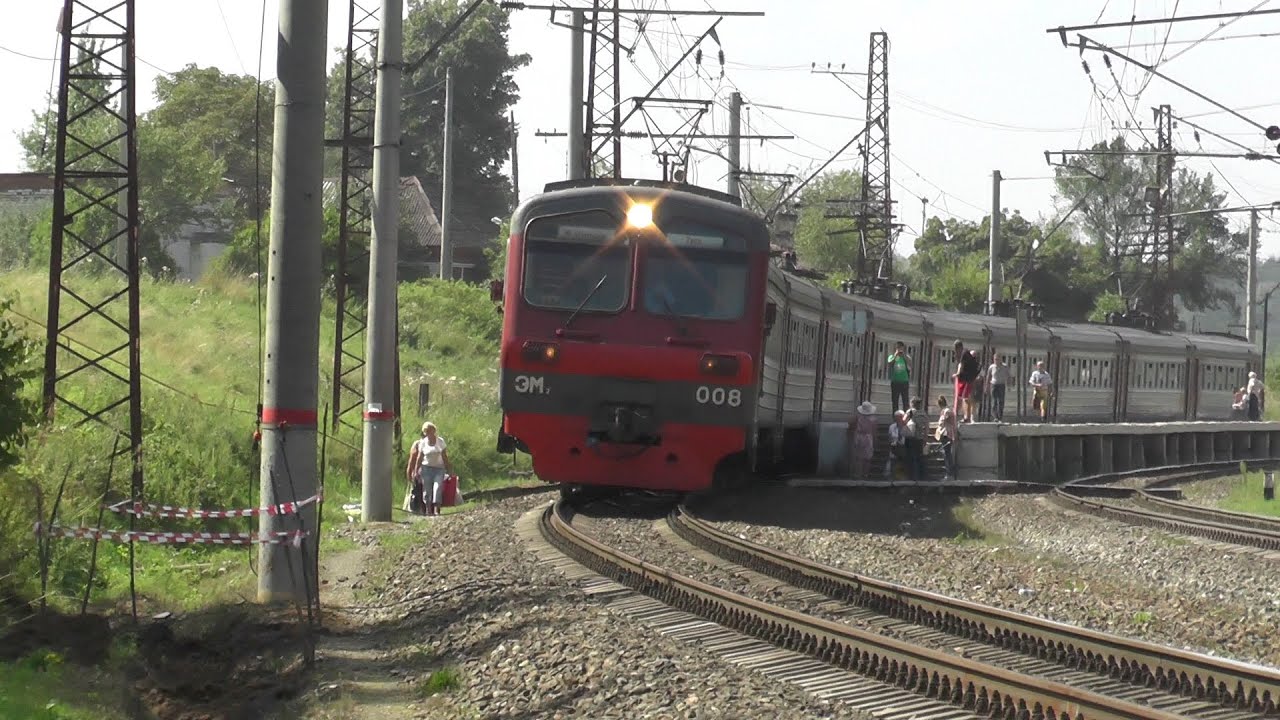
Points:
(1027, 554)
(464, 594)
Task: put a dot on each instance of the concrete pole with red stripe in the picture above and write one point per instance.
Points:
(380, 379)
(292, 362)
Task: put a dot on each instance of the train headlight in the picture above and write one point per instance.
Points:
(718, 365)
(540, 352)
(640, 216)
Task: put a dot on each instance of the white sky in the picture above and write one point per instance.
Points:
(974, 86)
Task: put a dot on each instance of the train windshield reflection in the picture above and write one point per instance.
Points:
(567, 257)
(705, 284)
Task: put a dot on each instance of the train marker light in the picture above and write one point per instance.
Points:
(718, 365)
(540, 352)
(640, 216)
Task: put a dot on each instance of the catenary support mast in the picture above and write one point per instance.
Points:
(380, 347)
(292, 363)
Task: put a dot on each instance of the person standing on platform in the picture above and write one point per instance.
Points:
(947, 434)
(913, 434)
(862, 429)
(1257, 391)
(967, 370)
(897, 445)
(1042, 386)
(899, 375)
(997, 377)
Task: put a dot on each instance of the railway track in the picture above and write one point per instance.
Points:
(969, 683)
(1151, 506)
(1188, 684)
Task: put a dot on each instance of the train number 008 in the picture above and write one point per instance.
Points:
(706, 395)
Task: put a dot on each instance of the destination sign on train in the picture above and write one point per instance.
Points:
(695, 241)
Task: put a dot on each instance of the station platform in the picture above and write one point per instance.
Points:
(1053, 453)
(976, 486)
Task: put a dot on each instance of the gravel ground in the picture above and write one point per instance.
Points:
(463, 593)
(1022, 553)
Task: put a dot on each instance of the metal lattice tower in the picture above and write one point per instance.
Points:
(603, 135)
(93, 255)
(355, 193)
(1162, 227)
(875, 219)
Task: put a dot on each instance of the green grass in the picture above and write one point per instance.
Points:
(443, 680)
(1246, 496)
(970, 530)
(200, 354)
(41, 687)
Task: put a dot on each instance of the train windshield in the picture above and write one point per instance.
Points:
(696, 273)
(577, 260)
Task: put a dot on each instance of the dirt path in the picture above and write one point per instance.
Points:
(355, 677)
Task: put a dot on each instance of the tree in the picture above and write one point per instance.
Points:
(1116, 220)
(217, 119)
(196, 160)
(822, 243)
(483, 70)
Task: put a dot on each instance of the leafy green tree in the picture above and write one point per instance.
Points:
(822, 243)
(217, 120)
(1115, 218)
(483, 69)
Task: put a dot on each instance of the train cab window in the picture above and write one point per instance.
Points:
(577, 260)
(696, 272)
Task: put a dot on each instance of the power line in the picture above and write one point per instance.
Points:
(1157, 21)
(810, 112)
(1214, 31)
(1196, 42)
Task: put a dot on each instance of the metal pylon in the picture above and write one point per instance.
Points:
(875, 221)
(603, 136)
(355, 193)
(93, 257)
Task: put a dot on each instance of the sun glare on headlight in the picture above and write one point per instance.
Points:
(640, 215)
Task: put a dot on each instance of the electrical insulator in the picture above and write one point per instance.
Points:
(697, 57)
(1273, 133)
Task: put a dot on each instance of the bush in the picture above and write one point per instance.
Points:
(17, 368)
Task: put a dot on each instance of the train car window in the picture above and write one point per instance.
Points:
(568, 256)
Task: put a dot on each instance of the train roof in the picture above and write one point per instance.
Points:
(1086, 333)
(697, 204)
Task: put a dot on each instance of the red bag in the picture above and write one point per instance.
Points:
(449, 492)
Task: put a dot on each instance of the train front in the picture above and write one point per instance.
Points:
(633, 321)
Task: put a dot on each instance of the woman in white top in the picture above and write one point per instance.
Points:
(428, 464)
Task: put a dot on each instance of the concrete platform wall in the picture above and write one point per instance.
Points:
(1060, 453)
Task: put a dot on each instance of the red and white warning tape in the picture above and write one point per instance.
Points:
(293, 538)
(166, 511)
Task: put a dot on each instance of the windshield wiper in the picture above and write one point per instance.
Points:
(585, 300)
(671, 313)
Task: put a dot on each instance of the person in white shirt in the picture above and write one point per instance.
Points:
(1041, 383)
(897, 443)
(1256, 391)
(428, 465)
(997, 376)
(946, 434)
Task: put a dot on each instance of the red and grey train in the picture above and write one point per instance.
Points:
(650, 341)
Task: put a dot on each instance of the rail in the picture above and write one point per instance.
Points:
(982, 688)
(1180, 517)
(1137, 663)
